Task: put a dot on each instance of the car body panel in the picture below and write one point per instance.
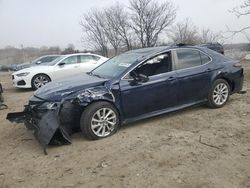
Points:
(55, 91)
(156, 92)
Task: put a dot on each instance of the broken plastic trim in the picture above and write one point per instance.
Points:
(2, 105)
(242, 92)
(47, 131)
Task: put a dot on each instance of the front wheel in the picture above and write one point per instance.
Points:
(99, 120)
(219, 94)
(39, 80)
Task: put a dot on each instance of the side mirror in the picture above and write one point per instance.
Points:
(61, 63)
(38, 62)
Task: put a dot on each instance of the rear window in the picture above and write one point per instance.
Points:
(204, 58)
(187, 58)
(87, 58)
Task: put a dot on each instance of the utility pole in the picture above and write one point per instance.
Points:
(23, 53)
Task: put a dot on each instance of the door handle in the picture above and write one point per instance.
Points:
(171, 78)
(208, 70)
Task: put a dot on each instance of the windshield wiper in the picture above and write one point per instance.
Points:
(96, 75)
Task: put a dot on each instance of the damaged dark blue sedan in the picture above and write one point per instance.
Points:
(132, 86)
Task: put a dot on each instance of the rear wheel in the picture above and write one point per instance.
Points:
(99, 120)
(39, 80)
(219, 94)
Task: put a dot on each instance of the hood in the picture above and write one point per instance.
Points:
(23, 66)
(37, 68)
(55, 91)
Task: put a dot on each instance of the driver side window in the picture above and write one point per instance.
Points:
(70, 60)
(157, 65)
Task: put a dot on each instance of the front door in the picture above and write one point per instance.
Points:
(68, 68)
(158, 93)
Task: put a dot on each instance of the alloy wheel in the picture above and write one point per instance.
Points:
(220, 94)
(40, 80)
(103, 122)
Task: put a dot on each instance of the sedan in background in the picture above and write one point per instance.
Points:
(132, 86)
(214, 46)
(38, 61)
(64, 66)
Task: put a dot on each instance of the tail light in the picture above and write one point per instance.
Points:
(238, 65)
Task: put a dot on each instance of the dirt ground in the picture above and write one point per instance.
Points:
(160, 152)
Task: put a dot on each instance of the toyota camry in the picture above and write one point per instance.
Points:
(135, 85)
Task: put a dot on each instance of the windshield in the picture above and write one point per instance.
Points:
(55, 61)
(36, 60)
(44, 59)
(115, 66)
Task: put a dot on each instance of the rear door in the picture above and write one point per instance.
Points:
(194, 71)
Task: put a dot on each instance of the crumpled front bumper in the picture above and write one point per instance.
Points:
(48, 128)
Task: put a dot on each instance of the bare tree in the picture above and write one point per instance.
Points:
(208, 35)
(111, 28)
(118, 20)
(149, 18)
(185, 32)
(91, 24)
(242, 10)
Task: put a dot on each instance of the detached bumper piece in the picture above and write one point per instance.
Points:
(2, 105)
(47, 129)
(243, 91)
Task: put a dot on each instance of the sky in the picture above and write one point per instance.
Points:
(39, 23)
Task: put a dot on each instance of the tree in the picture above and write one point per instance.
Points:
(149, 18)
(54, 49)
(208, 35)
(185, 32)
(111, 28)
(119, 20)
(70, 49)
(242, 10)
(91, 24)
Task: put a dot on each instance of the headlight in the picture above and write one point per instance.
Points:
(52, 106)
(85, 93)
(22, 74)
(47, 106)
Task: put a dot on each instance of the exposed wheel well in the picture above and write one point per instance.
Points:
(103, 100)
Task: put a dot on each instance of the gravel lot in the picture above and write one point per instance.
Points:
(160, 152)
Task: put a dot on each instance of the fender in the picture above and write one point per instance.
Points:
(90, 95)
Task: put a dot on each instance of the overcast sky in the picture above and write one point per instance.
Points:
(56, 22)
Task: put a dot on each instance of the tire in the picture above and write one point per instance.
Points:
(218, 94)
(95, 125)
(39, 80)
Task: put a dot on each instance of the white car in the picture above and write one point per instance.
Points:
(62, 67)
